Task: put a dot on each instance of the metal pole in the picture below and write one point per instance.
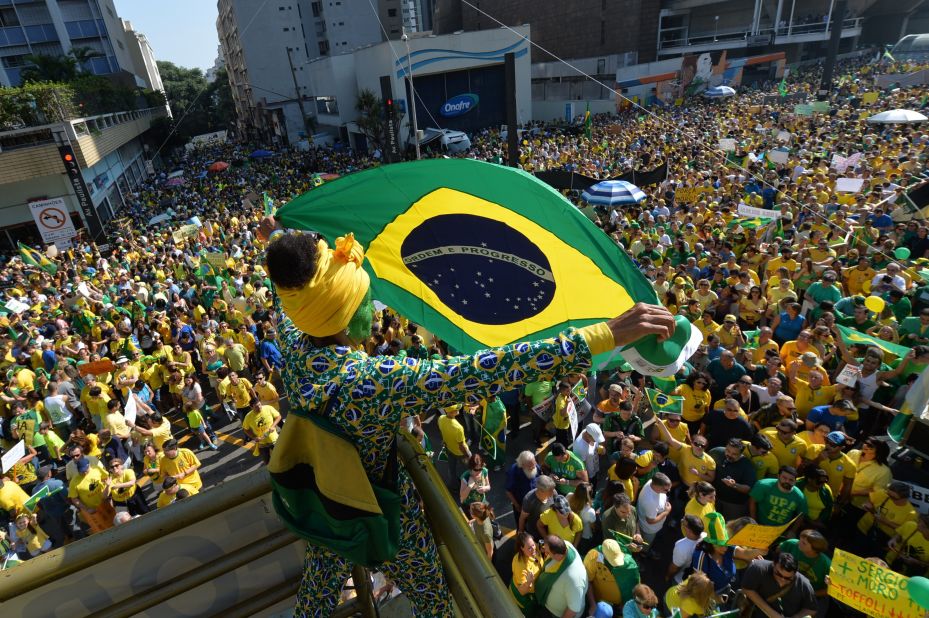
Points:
(512, 137)
(825, 86)
(777, 18)
(293, 74)
(790, 25)
(409, 76)
(829, 16)
(363, 592)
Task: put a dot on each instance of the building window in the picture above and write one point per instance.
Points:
(602, 32)
(391, 12)
(286, 29)
(280, 8)
(317, 8)
(8, 18)
(120, 43)
(323, 48)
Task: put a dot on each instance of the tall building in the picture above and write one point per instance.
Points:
(266, 47)
(143, 58)
(55, 27)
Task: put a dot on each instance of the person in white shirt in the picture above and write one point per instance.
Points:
(653, 506)
(768, 394)
(692, 527)
(586, 447)
(566, 595)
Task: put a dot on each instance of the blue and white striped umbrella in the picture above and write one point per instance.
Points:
(613, 193)
(719, 92)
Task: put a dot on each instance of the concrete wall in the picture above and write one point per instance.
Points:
(555, 110)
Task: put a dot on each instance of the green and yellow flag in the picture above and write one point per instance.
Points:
(854, 337)
(664, 404)
(588, 122)
(35, 258)
(481, 255)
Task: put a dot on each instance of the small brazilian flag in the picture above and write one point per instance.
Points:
(665, 385)
(854, 337)
(749, 224)
(481, 255)
(664, 404)
(36, 258)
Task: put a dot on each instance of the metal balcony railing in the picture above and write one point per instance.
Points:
(731, 35)
(224, 553)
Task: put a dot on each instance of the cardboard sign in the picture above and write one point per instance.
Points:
(97, 367)
(870, 588)
(778, 155)
(571, 410)
(216, 260)
(803, 110)
(848, 185)
(15, 306)
(727, 144)
(690, 194)
(545, 410)
(13, 455)
(751, 212)
(784, 136)
(848, 376)
(185, 231)
(869, 97)
(757, 536)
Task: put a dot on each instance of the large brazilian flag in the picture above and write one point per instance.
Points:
(480, 254)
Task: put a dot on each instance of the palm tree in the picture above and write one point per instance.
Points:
(46, 68)
(371, 117)
(83, 55)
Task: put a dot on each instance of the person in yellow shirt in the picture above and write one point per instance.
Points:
(123, 489)
(527, 563)
(182, 464)
(812, 392)
(28, 532)
(12, 496)
(909, 547)
(839, 467)
(785, 445)
(696, 394)
(786, 260)
(160, 430)
(260, 424)
(559, 520)
(172, 491)
(456, 445)
(88, 492)
(702, 502)
(887, 509)
(612, 574)
(266, 391)
(560, 418)
(693, 462)
(126, 375)
(239, 393)
(855, 278)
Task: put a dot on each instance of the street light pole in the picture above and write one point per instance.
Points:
(715, 28)
(409, 76)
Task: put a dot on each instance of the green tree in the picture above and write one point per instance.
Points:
(370, 108)
(83, 55)
(197, 106)
(47, 68)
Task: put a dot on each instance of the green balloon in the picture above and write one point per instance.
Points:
(918, 588)
(901, 253)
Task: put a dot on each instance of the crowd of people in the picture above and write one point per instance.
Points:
(815, 325)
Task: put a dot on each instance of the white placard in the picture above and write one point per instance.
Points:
(727, 144)
(54, 222)
(751, 212)
(848, 185)
(13, 455)
(784, 136)
(848, 376)
(571, 411)
(16, 306)
(778, 156)
(131, 409)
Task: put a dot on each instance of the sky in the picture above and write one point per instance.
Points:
(180, 31)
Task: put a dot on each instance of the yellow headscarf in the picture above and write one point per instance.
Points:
(324, 306)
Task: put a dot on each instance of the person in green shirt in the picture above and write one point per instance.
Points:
(900, 305)
(824, 290)
(565, 468)
(915, 330)
(535, 394)
(810, 551)
(860, 319)
(774, 502)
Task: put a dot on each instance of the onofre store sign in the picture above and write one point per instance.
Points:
(459, 105)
